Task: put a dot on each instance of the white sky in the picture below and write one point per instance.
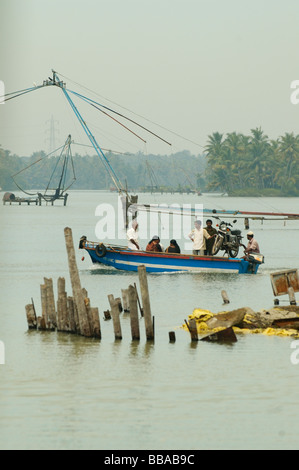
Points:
(192, 66)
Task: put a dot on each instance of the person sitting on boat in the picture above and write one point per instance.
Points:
(212, 232)
(173, 247)
(253, 246)
(132, 236)
(199, 236)
(154, 245)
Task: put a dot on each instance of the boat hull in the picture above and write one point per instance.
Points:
(129, 260)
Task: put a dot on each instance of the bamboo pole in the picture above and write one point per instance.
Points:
(132, 297)
(149, 329)
(76, 284)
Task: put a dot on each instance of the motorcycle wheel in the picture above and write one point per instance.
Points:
(233, 252)
(217, 245)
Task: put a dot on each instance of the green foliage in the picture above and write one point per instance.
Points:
(147, 172)
(253, 165)
(236, 164)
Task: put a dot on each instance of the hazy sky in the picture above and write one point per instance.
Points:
(191, 66)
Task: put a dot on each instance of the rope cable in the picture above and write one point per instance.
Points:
(22, 92)
(111, 117)
(121, 115)
(134, 113)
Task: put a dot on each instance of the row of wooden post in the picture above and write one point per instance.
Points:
(63, 315)
(74, 314)
(131, 303)
(70, 314)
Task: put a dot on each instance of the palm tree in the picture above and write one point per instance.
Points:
(289, 148)
(236, 144)
(215, 159)
(259, 150)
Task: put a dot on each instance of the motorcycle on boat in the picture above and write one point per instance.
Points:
(228, 240)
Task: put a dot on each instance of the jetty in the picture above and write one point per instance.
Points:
(10, 198)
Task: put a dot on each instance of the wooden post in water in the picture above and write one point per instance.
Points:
(71, 311)
(118, 300)
(76, 284)
(77, 322)
(292, 296)
(62, 310)
(115, 316)
(138, 300)
(172, 338)
(43, 324)
(192, 329)
(31, 317)
(146, 303)
(96, 322)
(132, 297)
(225, 297)
(51, 302)
(107, 315)
(125, 297)
(88, 307)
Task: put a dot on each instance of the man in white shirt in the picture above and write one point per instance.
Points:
(132, 236)
(199, 236)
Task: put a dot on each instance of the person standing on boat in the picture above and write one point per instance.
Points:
(199, 236)
(132, 236)
(212, 232)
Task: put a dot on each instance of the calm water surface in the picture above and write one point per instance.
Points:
(65, 392)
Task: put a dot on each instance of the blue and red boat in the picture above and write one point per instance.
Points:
(123, 258)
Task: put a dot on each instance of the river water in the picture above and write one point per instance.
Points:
(61, 391)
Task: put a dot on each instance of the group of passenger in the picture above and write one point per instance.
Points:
(203, 240)
(154, 245)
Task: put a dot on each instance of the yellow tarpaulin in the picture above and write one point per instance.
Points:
(202, 316)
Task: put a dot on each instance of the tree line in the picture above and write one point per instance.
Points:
(180, 171)
(253, 165)
(235, 164)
